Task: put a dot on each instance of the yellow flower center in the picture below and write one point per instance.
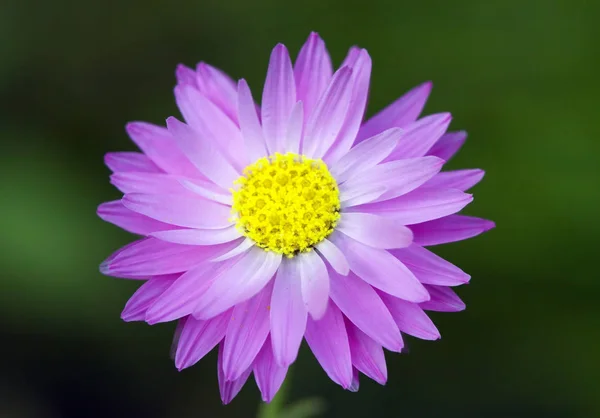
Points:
(286, 203)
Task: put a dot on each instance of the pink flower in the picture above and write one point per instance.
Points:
(265, 226)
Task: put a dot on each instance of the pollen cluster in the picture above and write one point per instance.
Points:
(286, 203)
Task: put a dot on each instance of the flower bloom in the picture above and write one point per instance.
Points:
(264, 226)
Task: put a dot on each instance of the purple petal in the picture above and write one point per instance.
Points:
(443, 299)
(249, 124)
(199, 236)
(294, 129)
(199, 337)
(314, 283)
(460, 179)
(361, 305)
(450, 229)
(185, 75)
(268, 373)
(123, 162)
(207, 190)
(117, 214)
(367, 355)
(380, 269)
(355, 385)
(328, 340)
(398, 114)
(288, 313)
(279, 97)
(154, 183)
(241, 248)
(246, 333)
(229, 388)
(218, 87)
(420, 136)
(334, 256)
(410, 318)
(448, 145)
(375, 231)
(144, 297)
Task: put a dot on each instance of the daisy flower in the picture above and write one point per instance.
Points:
(264, 226)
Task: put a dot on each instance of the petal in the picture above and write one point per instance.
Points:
(410, 318)
(360, 194)
(430, 268)
(420, 205)
(185, 75)
(450, 229)
(144, 297)
(448, 145)
(314, 283)
(117, 214)
(420, 136)
(246, 333)
(366, 155)
(294, 129)
(218, 87)
(375, 231)
(119, 162)
(334, 256)
(288, 313)
(138, 182)
(325, 122)
(181, 210)
(229, 388)
(199, 236)
(354, 386)
(160, 146)
(459, 179)
(443, 299)
(398, 114)
(380, 269)
(249, 274)
(199, 337)
(268, 373)
(203, 154)
(254, 141)
(279, 97)
(361, 305)
(312, 72)
(207, 190)
(367, 355)
(328, 340)
(243, 246)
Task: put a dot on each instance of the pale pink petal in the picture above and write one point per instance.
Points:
(328, 340)
(117, 214)
(279, 97)
(246, 333)
(459, 179)
(448, 145)
(324, 124)
(314, 283)
(208, 190)
(361, 194)
(288, 313)
(249, 274)
(185, 75)
(367, 355)
(218, 87)
(355, 385)
(243, 246)
(361, 305)
(269, 375)
(375, 231)
(410, 318)
(312, 72)
(199, 337)
(229, 388)
(443, 299)
(144, 297)
(199, 236)
(430, 268)
(294, 129)
(153, 183)
(334, 256)
(380, 269)
(450, 229)
(420, 136)
(123, 162)
(398, 114)
(254, 141)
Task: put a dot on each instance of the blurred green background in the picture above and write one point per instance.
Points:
(520, 75)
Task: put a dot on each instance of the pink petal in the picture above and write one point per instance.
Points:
(181, 210)
(279, 97)
(443, 299)
(229, 388)
(250, 273)
(360, 194)
(328, 340)
(199, 236)
(203, 154)
(410, 318)
(312, 72)
(268, 373)
(117, 214)
(375, 231)
(123, 162)
(398, 114)
(246, 333)
(430, 268)
(420, 136)
(367, 355)
(199, 337)
(137, 182)
(218, 87)
(241, 248)
(459, 179)
(325, 122)
(314, 283)
(207, 190)
(249, 124)
(380, 269)
(334, 256)
(355, 385)
(144, 297)
(288, 313)
(294, 129)
(450, 229)
(186, 75)
(361, 305)
(448, 145)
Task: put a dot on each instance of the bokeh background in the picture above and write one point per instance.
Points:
(520, 75)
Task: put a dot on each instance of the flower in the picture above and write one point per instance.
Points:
(266, 226)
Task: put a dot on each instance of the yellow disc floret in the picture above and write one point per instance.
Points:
(286, 203)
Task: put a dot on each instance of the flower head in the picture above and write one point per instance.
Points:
(266, 226)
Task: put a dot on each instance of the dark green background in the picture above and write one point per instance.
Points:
(520, 76)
